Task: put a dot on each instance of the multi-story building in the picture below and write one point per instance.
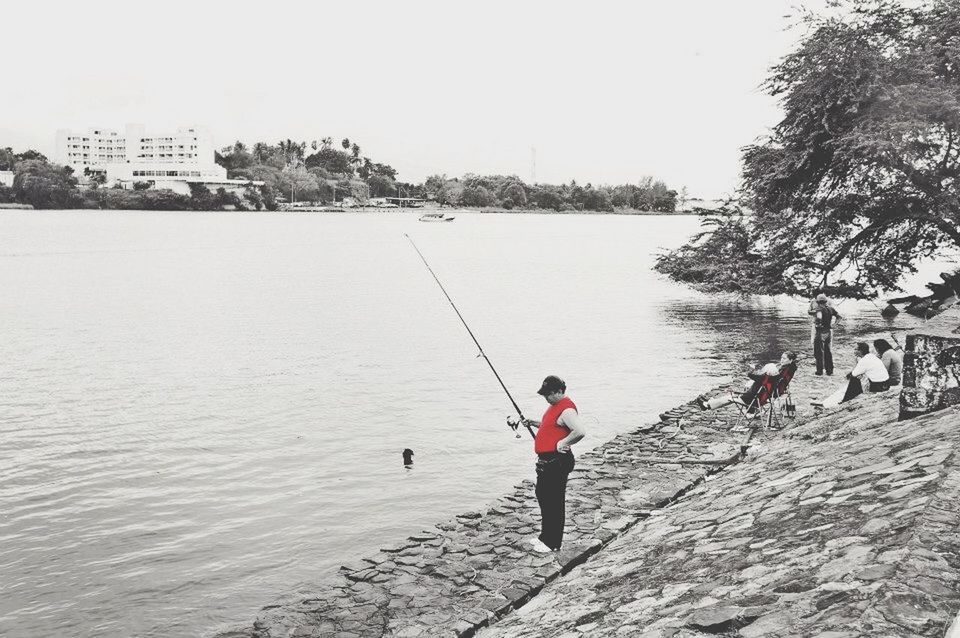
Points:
(167, 160)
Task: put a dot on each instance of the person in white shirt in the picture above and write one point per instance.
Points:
(869, 373)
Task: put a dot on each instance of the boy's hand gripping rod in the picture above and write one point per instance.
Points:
(513, 425)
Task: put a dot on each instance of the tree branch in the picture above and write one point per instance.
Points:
(847, 246)
(946, 156)
(878, 228)
(948, 229)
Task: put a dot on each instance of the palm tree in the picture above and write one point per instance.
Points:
(260, 151)
(292, 151)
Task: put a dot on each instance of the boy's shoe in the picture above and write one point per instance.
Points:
(539, 546)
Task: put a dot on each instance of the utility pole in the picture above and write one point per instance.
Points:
(533, 164)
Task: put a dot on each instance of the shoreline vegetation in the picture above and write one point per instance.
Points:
(298, 175)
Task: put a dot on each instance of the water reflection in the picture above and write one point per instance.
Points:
(758, 329)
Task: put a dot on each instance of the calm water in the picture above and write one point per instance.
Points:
(203, 412)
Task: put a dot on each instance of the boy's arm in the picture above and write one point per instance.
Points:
(570, 420)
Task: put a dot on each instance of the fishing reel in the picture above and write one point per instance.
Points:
(514, 425)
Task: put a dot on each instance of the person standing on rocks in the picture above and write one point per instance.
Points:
(558, 429)
(823, 316)
(812, 310)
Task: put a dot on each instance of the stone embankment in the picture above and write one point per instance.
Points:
(844, 524)
(477, 567)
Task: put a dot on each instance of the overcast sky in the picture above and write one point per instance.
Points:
(606, 92)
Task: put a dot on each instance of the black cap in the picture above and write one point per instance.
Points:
(552, 384)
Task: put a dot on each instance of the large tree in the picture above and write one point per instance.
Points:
(381, 186)
(298, 184)
(45, 185)
(861, 178)
(332, 160)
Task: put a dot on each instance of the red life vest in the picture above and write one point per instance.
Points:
(550, 433)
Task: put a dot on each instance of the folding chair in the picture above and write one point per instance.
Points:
(770, 394)
(781, 403)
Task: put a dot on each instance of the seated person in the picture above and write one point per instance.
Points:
(868, 374)
(869, 370)
(787, 365)
(892, 360)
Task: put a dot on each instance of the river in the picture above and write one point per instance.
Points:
(204, 412)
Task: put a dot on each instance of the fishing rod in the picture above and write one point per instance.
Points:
(510, 423)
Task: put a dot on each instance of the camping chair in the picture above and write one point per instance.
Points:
(766, 401)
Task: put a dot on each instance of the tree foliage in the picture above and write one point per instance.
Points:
(381, 186)
(8, 159)
(859, 181)
(44, 185)
(332, 160)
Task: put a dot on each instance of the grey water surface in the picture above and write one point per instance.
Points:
(201, 413)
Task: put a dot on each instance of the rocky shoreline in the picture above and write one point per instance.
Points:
(475, 568)
(845, 526)
(673, 499)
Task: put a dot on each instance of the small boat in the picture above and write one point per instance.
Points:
(435, 217)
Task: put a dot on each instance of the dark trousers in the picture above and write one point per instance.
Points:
(855, 388)
(552, 472)
(822, 352)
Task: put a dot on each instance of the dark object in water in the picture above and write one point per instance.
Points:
(889, 312)
(943, 296)
(407, 457)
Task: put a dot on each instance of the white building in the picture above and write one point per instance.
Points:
(168, 160)
(6, 178)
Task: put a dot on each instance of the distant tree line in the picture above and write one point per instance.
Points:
(320, 172)
(510, 192)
